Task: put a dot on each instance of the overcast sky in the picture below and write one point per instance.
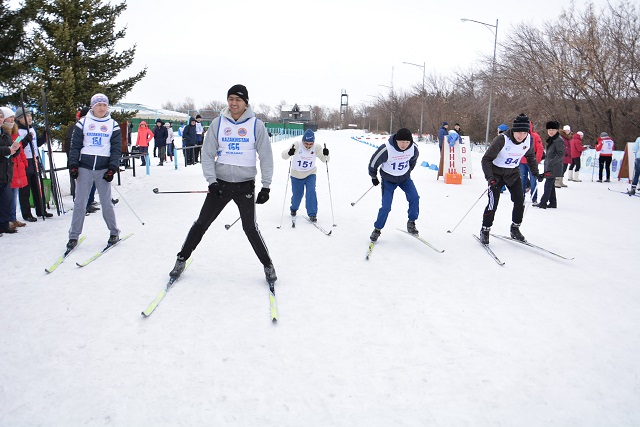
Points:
(307, 52)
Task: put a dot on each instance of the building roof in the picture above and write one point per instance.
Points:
(151, 113)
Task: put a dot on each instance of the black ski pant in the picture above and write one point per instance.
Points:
(604, 162)
(517, 197)
(243, 194)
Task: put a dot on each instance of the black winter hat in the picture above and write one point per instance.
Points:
(240, 91)
(198, 117)
(552, 124)
(404, 134)
(521, 123)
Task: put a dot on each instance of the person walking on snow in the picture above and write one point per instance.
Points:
(94, 158)
(229, 155)
(303, 172)
(396, 159)
(501, 166)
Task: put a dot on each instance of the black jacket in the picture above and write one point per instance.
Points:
(508, 175)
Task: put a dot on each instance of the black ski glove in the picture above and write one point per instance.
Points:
(325, 151)
(215, 189)
(492, 181)
(375, 180)
(263, 196)
(74, 172)
(291, 151)
(108, 175)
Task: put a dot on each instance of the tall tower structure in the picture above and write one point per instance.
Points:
(344, 104)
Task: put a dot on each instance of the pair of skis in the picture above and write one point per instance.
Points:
(314, 223)
(68, 252)
(273, 307)
(525, 243)
(372, 244)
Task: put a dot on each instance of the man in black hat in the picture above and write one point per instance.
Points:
(396, 159)
(501, 166)
(229, 164)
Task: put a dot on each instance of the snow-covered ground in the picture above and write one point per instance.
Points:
(410, 338)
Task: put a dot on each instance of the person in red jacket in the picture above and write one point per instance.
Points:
(526, 175)
(576, 151)
(144, 137)
(605, 147)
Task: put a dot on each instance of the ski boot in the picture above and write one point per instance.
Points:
(181, 262)
(515, 232)
(270, 273)
(484, 235)
(376, 233)
(411, 227)
(72, 243)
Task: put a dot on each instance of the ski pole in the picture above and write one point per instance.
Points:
(285, 194)
(155, 190)
(228, 226)
(465, 215)
(127, 203)
(330, 198)
(365, 193)
(533, 195)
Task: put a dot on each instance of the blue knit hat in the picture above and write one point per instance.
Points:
(308, 136)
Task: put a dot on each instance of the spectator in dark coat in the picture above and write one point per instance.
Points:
(189, 139)
(552, 165)
(160, 135)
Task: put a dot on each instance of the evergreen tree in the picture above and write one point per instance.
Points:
(73, 56)
(12, 24)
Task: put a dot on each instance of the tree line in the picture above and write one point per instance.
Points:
(580, 68)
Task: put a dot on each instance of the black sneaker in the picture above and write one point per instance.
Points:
(515, 232)
(484, 235)
(92, 209)
(411, 227)
(375, 234)
(31, 219)
(270, 273)
(48, 215)
(114, 201)
(632, 191)
(72, 243)
(293, 213)
(178, 268)
(113, 239)
(313, 218)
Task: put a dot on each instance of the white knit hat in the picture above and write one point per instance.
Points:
(8, 112)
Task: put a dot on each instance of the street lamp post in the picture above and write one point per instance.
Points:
(390, 109)
(493, 70)
(424, 66)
